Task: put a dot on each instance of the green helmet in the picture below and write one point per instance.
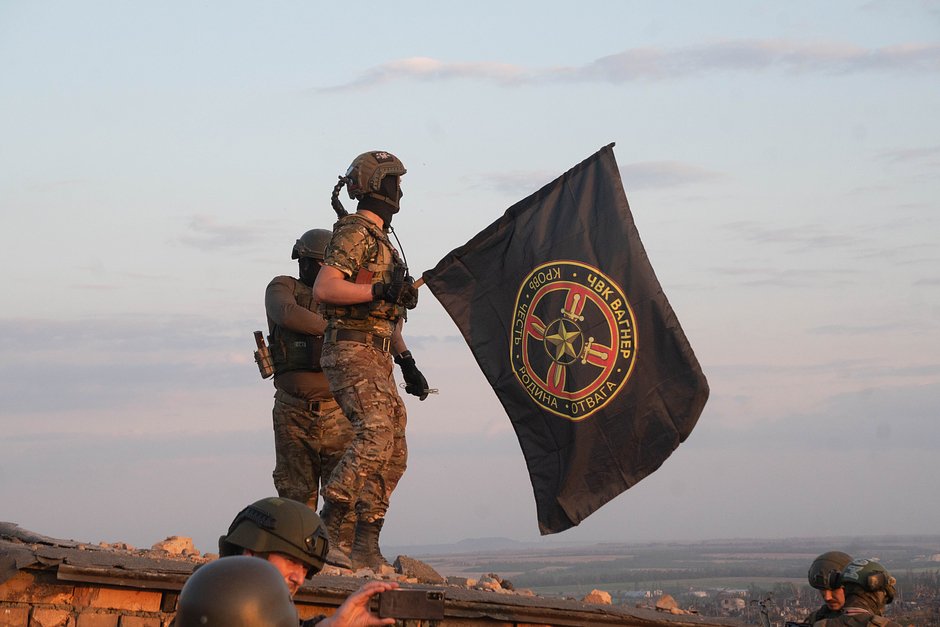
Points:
(312, 244)
(277, 525)
(365, 174)
(825, 573)
(869, 575)
(236, 592)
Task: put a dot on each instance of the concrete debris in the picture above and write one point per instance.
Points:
(177, 545)
(417, 569)
(666, 603)
(598, 597)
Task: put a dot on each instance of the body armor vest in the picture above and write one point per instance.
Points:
(296, 351)
(378, 269)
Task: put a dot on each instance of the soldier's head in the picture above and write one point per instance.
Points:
(236, 592)
(309, 251)
(286, 533)
(825, 574)
(374, 179)
(868, 584)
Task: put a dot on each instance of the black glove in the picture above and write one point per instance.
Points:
(401, 292)
(415, 383)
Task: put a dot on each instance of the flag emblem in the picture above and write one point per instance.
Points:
(573, 339)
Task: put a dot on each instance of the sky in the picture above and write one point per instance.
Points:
(158, 160)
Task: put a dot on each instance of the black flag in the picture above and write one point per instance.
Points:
(565, 317)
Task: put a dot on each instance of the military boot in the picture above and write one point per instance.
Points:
(333, 515)
(365, 551)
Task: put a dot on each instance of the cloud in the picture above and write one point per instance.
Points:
(910, 155)
(651, 64)
(655, 174)
(206, 233)
(640, 175)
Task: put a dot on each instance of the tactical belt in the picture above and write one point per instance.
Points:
(317, 406)
(351, 335)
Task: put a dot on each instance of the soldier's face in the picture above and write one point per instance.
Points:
(834, 599)
(308, 270)
(292, 569)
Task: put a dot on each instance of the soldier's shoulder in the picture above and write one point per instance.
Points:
(283, 280)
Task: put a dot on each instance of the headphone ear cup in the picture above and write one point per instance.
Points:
(876, 582)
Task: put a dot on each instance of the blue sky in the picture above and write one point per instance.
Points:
(159, 159)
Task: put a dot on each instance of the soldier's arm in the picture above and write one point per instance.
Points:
(283, 310)
(332, 287)
(398, 341)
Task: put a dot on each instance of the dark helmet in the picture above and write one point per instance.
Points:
(236, 592)
(825, 573)
(870, 576)
(276, 525)
(365, 174)
(312, 244)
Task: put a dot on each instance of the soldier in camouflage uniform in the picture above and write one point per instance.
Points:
(825, 574)
(364, 291)
(311, 433)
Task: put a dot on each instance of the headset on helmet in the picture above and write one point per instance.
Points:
(278, 525)
(364, 175)
(825, 573)
(236, 592)
(312, 244)
(871, 576)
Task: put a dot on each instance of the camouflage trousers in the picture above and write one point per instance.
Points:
(308, 445)
(361, 381)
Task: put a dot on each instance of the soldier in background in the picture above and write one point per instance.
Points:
(311, 433)
(365, 292)
(869, 587)
(291, 537)
(825, 574)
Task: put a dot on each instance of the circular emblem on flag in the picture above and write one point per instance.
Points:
(573, 338)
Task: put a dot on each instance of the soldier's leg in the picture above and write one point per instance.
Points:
(335, 434)
(297, 470)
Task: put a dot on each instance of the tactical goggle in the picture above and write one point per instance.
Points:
(829, 580)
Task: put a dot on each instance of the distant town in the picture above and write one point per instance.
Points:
(728, 578)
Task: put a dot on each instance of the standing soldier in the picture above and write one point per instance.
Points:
(311, 433)
(365, 290)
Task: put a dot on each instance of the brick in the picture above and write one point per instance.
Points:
(97, 619)
(48, 617)
(140, 621)
(15, 616)
(119, 599)
(24, 586)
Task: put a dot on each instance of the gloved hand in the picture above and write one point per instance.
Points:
(401, 292)
(415, 383)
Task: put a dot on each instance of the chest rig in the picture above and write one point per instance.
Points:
(291, 350)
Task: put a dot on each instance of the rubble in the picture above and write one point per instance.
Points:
(600, 597)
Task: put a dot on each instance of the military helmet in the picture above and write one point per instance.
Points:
(870, 576)
(236, 592)
(364, 175)
(825, 573)
(278, 525)
(312, 244)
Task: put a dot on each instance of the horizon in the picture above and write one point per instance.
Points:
(160, 161)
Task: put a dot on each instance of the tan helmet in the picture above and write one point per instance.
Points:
(312, 244)
(236, 592)
(364, 175)
(278, 525)
(825, 573)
